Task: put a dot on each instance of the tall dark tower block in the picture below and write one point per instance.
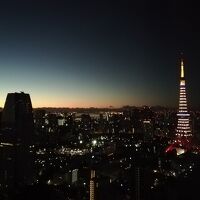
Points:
(17, 116)
(17, 131)
(137, 183)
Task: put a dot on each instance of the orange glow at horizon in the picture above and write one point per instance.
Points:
(55, 102)
(77, 104)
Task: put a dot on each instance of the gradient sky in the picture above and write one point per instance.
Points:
(99, 53)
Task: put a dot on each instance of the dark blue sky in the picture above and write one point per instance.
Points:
(99, 53)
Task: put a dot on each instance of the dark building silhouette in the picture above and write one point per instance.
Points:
(16, 138)
(17, 116)
(39, 117)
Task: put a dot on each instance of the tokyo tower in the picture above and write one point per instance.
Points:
(182, 141)
(183, 130)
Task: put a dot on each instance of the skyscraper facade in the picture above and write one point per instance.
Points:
(17, 116)
(92, 185)
(183, 130)
(16, 137)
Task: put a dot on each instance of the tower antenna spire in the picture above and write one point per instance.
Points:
(182, 68)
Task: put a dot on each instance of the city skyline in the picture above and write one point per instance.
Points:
(96, 54)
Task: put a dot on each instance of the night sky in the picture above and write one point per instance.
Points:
(99, 53)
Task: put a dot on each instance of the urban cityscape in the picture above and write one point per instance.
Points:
(125, 153)
(99, 100)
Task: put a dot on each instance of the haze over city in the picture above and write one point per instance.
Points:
(98, 53)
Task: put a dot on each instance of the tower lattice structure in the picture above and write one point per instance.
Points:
(183, 130)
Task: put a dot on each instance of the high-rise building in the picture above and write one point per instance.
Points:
(16, 138)
(137, 183)
(17, 116)
(183, 130)
(92, 185)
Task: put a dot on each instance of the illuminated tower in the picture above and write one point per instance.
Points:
(183, 130)
(92, 185)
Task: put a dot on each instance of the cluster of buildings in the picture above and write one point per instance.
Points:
(127, 153)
